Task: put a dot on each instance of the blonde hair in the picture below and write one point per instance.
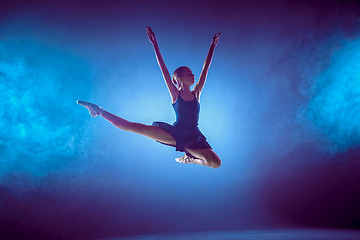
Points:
(178, 73)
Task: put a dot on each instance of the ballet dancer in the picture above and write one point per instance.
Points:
(184, 134)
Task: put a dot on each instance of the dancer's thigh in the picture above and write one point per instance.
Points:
(154, 132)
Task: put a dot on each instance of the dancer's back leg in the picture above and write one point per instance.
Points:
(208, 156)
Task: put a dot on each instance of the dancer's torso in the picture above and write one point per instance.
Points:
(187, 113)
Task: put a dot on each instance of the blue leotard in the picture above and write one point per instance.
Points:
(185, 129)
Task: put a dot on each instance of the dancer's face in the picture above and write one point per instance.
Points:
(187, 77)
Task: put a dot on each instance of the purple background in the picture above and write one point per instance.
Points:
(280, 107)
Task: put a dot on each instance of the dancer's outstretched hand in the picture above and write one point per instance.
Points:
(151, 35)
(215, 39)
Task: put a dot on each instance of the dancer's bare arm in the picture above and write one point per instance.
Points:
(199, 86)
(172, 89)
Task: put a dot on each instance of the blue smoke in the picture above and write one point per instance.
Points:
(334, 107)
(38, 134)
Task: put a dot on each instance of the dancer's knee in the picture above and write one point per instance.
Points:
(216, 162)
(210, 158)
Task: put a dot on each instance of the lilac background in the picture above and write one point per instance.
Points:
(280, 107)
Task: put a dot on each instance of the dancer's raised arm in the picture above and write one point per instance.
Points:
(199, 86)
(172, 88)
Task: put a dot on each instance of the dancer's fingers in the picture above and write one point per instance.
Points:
(151, 31)
(83, 103)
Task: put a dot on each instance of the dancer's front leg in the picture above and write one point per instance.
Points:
(149, 131)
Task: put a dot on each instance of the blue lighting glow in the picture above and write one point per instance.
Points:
(281, 107)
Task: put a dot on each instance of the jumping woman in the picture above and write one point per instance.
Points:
(184, 134)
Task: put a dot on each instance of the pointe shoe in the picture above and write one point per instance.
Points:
(184, 159)
(94, 110)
